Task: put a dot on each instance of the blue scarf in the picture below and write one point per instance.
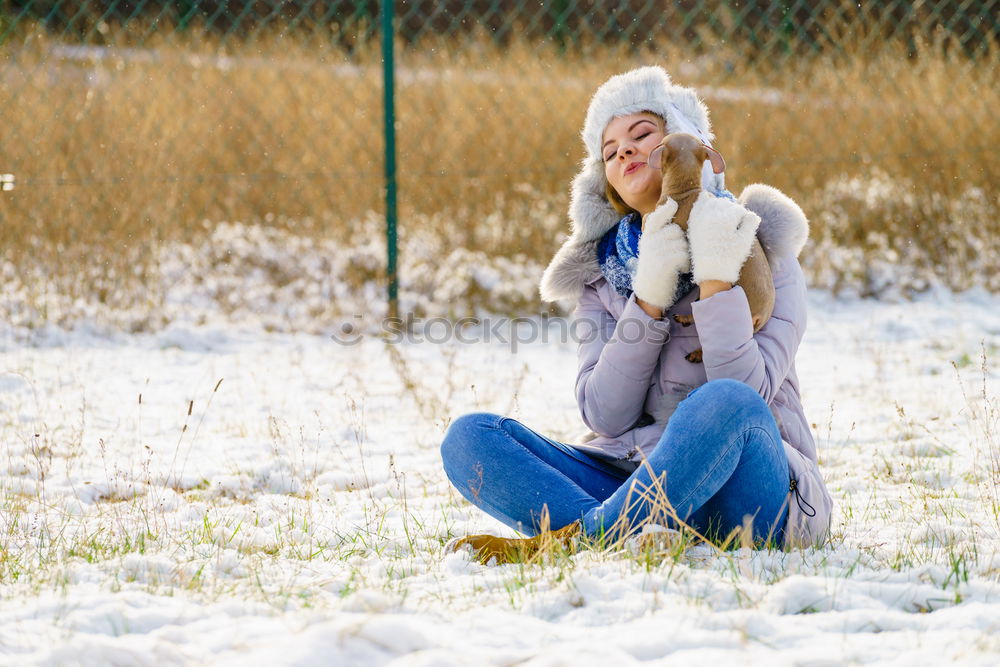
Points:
(618, 255)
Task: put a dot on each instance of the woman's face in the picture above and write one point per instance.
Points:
(627, 143)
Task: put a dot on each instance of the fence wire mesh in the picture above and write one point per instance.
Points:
(130, 125)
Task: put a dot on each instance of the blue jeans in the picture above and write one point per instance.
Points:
(719, 461)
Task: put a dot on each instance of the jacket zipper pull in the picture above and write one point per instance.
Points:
(793, 487)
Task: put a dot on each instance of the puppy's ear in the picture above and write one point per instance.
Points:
(715, 157)
(659, 157)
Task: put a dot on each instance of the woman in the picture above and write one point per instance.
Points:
(713, 445)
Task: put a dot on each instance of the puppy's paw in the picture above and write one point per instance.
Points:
(695, 357)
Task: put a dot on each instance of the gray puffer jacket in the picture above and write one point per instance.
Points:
(632, 366)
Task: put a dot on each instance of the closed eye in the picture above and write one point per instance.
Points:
(638, 137)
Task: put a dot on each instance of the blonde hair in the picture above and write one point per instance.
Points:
(616, 200)
(611, 194)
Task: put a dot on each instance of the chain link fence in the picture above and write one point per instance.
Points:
(140, 132)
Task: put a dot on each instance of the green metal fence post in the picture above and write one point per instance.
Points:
(560, 9)
(388, 86)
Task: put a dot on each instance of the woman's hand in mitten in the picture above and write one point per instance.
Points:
(721, 234)
(663, 256)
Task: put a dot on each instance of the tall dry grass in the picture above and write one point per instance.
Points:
(119, 148)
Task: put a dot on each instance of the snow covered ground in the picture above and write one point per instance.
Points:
(212, 494)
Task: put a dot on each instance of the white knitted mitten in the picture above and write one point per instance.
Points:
(721, 233)
(663, 256)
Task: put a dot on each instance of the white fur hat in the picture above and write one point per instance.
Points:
(591, 214)
(644, 89)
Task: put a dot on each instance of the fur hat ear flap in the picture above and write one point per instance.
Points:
(590, 213)
(591, 216)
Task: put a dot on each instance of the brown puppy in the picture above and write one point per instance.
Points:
(680, 157)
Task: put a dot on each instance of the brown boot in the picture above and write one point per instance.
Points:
(510, 550)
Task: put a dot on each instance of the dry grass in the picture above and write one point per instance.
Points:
(114, 152)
